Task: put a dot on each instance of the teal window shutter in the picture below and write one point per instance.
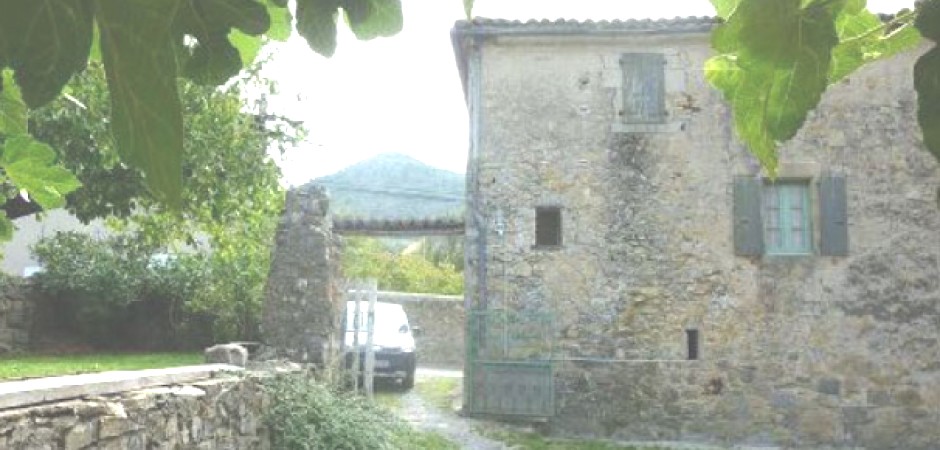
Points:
(644, 87)
(833, 215)
(748, 229)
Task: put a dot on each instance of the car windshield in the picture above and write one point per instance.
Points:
(389, 318)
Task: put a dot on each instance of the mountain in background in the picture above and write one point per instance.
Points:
(394, 186)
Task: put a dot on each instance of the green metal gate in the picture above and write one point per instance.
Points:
(509, 369)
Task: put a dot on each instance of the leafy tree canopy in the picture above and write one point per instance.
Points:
(436, 269)
(229, 174)
(143, 47)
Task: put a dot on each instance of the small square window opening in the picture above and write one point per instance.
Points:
(548, 227)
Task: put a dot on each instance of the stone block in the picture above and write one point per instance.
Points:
(878, 397)
(233, 354)
(80, 436)
(829, 386)
(908, 397)
(783, 399)
(113, 426)
(856, 414)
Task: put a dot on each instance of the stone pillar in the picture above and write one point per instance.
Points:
(302, 306)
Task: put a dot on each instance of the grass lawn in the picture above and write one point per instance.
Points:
(32, 366)
(440, 392)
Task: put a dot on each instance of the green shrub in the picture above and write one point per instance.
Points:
(93, 282)
(305, 414)
(413, 272)
(232, 292)
(114, 294)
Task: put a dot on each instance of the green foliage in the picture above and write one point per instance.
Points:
(412, 272)
(107, 287)
(45, 43)
(27, 163)
(305, 414)
(137, 50)
(94, 281)
(316, 20)
(229, 173)
(776, 58)
(440, 392)
(864, 37)
(146, 44)
(233, 201)
(233, 291)
(30, 164)
(13, 109)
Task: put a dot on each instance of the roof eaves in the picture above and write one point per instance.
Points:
(483, 26)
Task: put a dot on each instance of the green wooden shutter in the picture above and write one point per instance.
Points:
(833, 214)
(644, 87)
(748, 229)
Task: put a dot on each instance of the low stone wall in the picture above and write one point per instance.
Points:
(727, 404)
(16, 315)
(223, 412)
(441, 319)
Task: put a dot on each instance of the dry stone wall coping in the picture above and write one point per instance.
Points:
(390, 296)
(43, 390)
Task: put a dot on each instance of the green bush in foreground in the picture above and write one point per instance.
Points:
(307, 415)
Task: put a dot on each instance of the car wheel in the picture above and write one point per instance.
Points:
(409, 381)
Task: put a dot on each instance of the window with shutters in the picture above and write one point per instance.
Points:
(786, 218)
(644, 87)
(777, 218)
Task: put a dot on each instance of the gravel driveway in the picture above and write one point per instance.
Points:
(425, 416)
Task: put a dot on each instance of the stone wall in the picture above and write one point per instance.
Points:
(803, 351)
(728, 403)
(16, 315)
(441, 318)
(218, 413)
(303, 304)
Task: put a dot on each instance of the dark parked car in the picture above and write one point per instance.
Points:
(392, 342)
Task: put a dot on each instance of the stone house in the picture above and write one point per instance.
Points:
(646, 282)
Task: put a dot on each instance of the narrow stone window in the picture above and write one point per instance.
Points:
(547, 227)
(692, 341)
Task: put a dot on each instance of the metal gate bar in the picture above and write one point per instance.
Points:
(510, 363)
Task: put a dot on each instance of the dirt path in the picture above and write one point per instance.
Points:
(426, 416)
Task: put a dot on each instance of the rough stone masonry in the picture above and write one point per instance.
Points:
(693, 298)
(303, 305)
(224, 412)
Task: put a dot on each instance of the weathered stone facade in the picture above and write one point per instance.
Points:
(442, 321)
(798, 351)
(303, 304)
(16, 315)
(219, 413)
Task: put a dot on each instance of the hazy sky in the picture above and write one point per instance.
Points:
(402, 94)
